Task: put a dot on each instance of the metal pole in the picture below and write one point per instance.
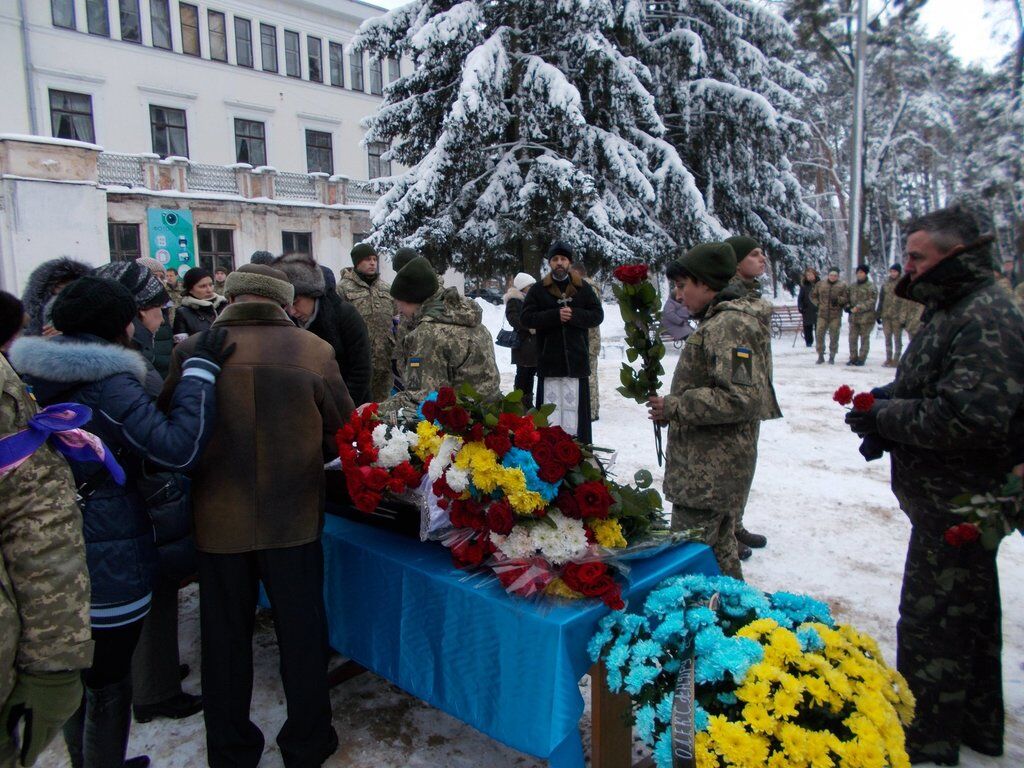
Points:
(857, 153)
(26, 56)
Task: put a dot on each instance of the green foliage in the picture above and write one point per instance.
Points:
(640, 310)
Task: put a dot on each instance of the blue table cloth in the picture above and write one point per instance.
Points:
(508, 667)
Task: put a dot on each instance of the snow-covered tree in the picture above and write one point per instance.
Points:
(524, 121)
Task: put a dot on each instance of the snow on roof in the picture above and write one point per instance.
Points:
(30, 139)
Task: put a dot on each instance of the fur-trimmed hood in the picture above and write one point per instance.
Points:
(39, 290)
(62, 361)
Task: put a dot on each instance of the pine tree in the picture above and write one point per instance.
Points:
(525, 121)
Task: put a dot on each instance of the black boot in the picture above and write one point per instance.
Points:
(743, 550)
(174, 708)
(755, 540)
(107, 720)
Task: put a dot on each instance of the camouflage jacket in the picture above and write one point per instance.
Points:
(446, 347)
(762, 309)
(1018, 294)
(831, 299)
(374, 302)
(956, 413)
(714, 407)
(863, 297)
(44, 583)
(890, 306)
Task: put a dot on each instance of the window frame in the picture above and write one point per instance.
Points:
(91, 5)
(319, 58)
(264, 27)
(115, 241)
(338, 48)
(165, 5)
(68, 6)
(297, 38)
(312, 133)
(355, 66)
(153, 126)
(394, 70)
(296, 235)
(181, 23)
(212, 258)
(240, 22)
(138, 19)
(241, 136)
(383, 168)
(51, 92)
(223, 37)
(376, 77)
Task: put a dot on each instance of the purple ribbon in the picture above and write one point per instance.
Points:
(60, 424)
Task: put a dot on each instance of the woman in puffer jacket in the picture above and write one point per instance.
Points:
(200, 305)
(91, 364)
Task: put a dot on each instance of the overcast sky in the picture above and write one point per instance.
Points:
(975, 37)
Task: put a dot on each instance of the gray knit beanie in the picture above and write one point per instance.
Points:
(146, 289)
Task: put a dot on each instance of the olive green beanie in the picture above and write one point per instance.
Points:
(415, 282)
(742, 246)
(402, 257)
(713, 264)
(361, 251)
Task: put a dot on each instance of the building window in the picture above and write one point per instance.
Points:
(170, 131)
(160, 22)
(63, 13)
(124, 241)
(376, 77)
(250, 142)
(131, 21)
(189, 29)
(292, 66)
(215, 249)
(268, 47)
(97, 18)
(243, 42)
(337, 55)
(394, 70)
(297, 242)
(218, 35)
(356, 65)
(71, 116)
(314, 55)
(319, 154)
(378, 167)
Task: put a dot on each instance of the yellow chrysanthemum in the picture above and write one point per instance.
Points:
(429, 440)
(608, 533)
(558, 588)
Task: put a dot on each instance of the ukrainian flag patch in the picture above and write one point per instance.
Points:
(742, 353)
(414, 362)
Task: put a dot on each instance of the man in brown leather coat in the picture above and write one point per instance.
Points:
(258, 500)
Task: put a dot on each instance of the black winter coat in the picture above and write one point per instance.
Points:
(339, 323)
(155, 347)
(807, 308)
(525, 355)
(563, 348)
(195, 315)
(117, 530)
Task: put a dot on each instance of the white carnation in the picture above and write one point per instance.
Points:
(558, 545)
(457, 479)
(448, 448)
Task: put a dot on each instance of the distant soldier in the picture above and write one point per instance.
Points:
(952, 421)
(893, 314)
(362, 285)
(831, 297)
(400, 325)
(715, 404)
(447, 346)
(863, 297)
(593, 343)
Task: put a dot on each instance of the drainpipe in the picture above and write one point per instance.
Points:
(26, 55)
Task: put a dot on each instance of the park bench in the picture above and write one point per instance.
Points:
(786, 318)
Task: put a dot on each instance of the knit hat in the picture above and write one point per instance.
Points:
(559, 248)
(402, 257)
(12, 316)
(361, 251)
(193, 276)
(146, 289)
(303, 273)
(153, 265)
(862, 268)
(897, 267)
(713, 264)
(94, 305)
(415, 282)
(261, 257)
(742, 246)
(260, 280)
(833, 270)
(522, 281)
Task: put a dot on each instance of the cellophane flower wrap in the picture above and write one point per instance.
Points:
(525, 500)
(777, 682)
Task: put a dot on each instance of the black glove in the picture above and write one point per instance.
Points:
(873, 447)
(864, 423)
(881, 393)
(210, 346)
(878, 322)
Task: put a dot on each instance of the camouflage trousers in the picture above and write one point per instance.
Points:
(949, 644)
(832, 328)
(594, 342)
(860, 338)
(746, 494)
(715, 528)
(893, 330)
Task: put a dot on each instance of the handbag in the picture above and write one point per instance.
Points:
(507, 337)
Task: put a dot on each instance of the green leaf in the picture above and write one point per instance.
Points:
(643, 478)
(647, 293)
(515, 396)
(540, 416)
(631, 355)
(491, 420)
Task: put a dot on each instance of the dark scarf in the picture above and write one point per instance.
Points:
(368, 279)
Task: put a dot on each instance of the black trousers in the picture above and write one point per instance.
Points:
(294, 580)
(809, 333)
(525, 378)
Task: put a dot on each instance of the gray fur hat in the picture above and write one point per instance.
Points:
(260, 280)
(303, 273)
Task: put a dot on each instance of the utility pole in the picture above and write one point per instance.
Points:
(857, 154)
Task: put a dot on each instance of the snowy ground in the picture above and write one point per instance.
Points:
(834, 532)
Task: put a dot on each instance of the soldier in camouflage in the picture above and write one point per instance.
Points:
(831, 297)
(952, 421)
(45, 639)
(892, 314)
(863, 297)
(446, 345)
(362, 285)
(715, 404)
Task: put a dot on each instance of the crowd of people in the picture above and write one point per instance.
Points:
(216, 404)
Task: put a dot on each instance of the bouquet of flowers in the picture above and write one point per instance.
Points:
(775, 681)
(989, 516)
(523, 499)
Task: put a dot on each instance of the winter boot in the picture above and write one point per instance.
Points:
(743, 550)
(754, 540)
(107, 720)
(852, 361)
(831, 359)
(859, 362)
(821, 358)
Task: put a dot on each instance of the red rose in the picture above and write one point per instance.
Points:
(843, 395)
(500, 517)
(553, 435)
(466, 513)
(376, 478)
(543, 454)
(585, 578)
(551, 471)
(498, 443)
(455, 419)
(593, 499)
(445, 397)
(430, 410)
(510, 422)
(567, 503)
(863, 402)
(469, 553)
(366, 501)
(613, 597)
(631, 274)
(526, 437)
(963, 533)
(568, 453)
